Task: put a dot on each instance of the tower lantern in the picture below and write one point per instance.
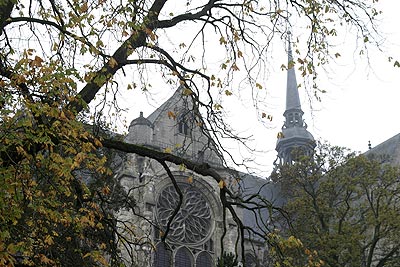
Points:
(294, 133)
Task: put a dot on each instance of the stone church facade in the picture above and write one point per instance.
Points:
(194, 236)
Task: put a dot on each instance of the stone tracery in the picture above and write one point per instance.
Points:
(192, 223)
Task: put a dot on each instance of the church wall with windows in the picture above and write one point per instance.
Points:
(194, 236)
(198, 232)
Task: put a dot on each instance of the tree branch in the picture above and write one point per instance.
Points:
(6, 7)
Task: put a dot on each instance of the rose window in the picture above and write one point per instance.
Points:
(192, 223)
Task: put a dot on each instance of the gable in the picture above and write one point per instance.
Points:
(389, 148)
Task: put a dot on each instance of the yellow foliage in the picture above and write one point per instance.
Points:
(182, 167)
(106, 190)
(97, 142)
(187, 91)
(48, 240)
(112, 62)
(45, 260)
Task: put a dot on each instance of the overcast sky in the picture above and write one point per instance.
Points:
(362, 102)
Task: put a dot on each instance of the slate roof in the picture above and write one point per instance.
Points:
(141, 121)
(265, 189)
(390, 148)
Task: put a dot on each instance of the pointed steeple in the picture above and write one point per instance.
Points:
(292, 94)
(294, 133)
(293, 113)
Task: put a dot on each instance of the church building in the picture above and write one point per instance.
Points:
(201, 228)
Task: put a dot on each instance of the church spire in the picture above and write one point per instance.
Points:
(292, 94)
(294, 133)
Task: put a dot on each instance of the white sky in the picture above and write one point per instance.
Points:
(362, 102)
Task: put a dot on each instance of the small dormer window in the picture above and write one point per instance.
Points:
(183, 124)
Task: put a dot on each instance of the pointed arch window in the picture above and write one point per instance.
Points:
(296, 118)
(183, 124)
(251, 260)
(183, 258)
(291, 119)
(162, 257)
(204, 260)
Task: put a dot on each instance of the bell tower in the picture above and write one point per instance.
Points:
(294, 133)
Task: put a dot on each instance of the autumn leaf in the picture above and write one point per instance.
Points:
(228, 93)
(84, 7)
(20, 150)
(264, 115)
(112, 62)
(97, 143)
(221, 184)
(125, 33)
(37, 62)
(171, 115)
(151, 34)
(168, 150)
(259, 86)
(187, 92)
(30, 51)
(99, 43)
(106, 190)
(44, 259)
(290, 64)
(234, 67)
(190, 179)
(20, 78)
(217, 106)
(48, 240)
(182, 167)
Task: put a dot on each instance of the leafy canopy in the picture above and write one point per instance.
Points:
(344, 206)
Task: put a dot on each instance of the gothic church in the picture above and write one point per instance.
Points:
(194, 236)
